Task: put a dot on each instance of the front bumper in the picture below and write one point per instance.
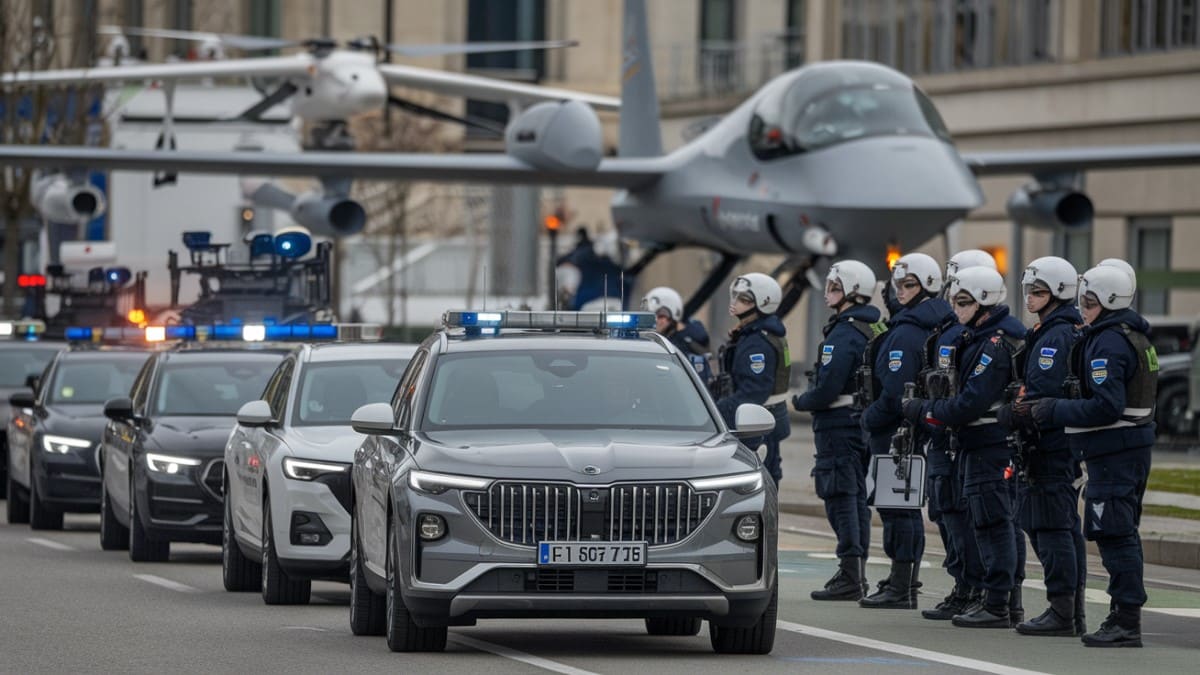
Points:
(68, 482)
(187, 506)
(319, 508)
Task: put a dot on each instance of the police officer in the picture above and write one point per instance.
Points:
(840, 469)
(916, 279)
(1048, 507)
(1110, 426)
(689, 337)
(989, 344)
(755, 362)
(947, 505)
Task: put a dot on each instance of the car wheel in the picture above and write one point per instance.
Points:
(403, 634)
(756, 639)
(141, 547)
(367, 609)
(4, 491)
(17, 507)
(1173, 410)
(673, 625)
(113, 535)
(238, 572)
(277, 587)
(41, 515)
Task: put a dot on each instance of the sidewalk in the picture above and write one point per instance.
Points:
(1165, 541)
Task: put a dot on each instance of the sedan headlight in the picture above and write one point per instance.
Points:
(169, 463)
(437, 483)
(307, 469)
(741, 483)
(63, 444)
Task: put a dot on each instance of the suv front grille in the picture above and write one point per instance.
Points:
(526, 513)
(212, 479)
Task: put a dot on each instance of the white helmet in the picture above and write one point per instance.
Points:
(972, 257)
(923, 267)
(765, 291)
(1123, 266)
(981, 283)
(855, 278)
(1111, 286)
(1058, 274)
(666, 298)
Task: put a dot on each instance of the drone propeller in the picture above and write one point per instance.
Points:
(282, 93)
(433, 113)
(243, 42)
(476, 47)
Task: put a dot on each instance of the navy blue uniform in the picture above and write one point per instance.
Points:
(841, 463)
(752, 362)
(1114, 437)
(1048, 511)
(985, 370)
(898, 361)
(692, 341)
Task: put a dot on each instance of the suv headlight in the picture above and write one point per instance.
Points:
(437, 483)
(63, 444)
(169, 463)
(741, 483)
(307, 469)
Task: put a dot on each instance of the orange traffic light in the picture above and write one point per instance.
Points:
(137, 316)
(1000, 255)
(552, 222)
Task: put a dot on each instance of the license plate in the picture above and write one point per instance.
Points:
(597, 553)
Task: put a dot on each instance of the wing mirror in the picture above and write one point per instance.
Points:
(374, 418)
(21, 399)
(32, 381)
(119, 409)
(752, 420)
(255, 414)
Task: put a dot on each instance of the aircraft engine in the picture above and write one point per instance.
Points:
(329, 215)
(59, 199)
(1050, 207)
(557, 136)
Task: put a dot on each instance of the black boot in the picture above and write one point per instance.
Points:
(914, 584)
(1058, 620)
(1016, 611)
(1122, 628)
(846, 584)
(894, 593)
(953, 604)
(1081, 610)
(862, 567)
(991, 613)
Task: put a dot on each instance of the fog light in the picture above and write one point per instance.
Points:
(310, 538)
(431, 526)
(747, 528)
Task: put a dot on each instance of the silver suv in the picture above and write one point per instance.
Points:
(539, 464)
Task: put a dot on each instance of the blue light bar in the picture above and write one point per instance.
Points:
(118, 276)
(292, 245)
(548, 320)
(225, 332)
(26, 330)
(325, 331)
(75, 333)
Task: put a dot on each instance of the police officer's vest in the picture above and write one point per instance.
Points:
(1013, 346)
(850, 386)
(938, 378)
(1139, 392)
(867, 387)
(783, 369)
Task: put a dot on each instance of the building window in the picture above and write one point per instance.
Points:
(793, 37)
(135, 17)
(264, 18)
(1150, 249)
(719, 50)
(1139, 26)
(505, 20)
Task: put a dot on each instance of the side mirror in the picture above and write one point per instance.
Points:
(119, 409)
(374, 418)
(21, 399)
(255, 414)
(32, 381)
(752, 420)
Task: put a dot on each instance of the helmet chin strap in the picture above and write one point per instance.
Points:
(748, 313)
(917, 299)
(979, 313)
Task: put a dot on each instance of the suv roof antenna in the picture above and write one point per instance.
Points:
(622, 289)
(485, 277)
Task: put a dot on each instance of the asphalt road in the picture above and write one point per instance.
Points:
(66, 606)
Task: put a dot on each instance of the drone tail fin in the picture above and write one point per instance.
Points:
(640, 135)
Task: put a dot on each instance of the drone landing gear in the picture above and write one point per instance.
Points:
(711, 282)
(793, 275)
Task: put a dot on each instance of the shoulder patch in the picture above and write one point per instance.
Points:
(895, 360)
(984, 361)
(826, 354)
(758, 363)
(1099, 370)
(945, 356)
(1046, 357)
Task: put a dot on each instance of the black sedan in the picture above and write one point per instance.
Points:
(20, 360)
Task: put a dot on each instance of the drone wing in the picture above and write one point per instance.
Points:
(1054, 160)
(486, 88)
(275, 66)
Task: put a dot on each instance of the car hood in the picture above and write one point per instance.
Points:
(191, 435)
(591, 456)
(1176, 361)
(334, 443)
(79, 420)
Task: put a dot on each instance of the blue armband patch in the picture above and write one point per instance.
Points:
(895, 360)
(945, 356)
(826, 354)
(984, 360)
(1099, 370)
(758, 363)
(1046, 358)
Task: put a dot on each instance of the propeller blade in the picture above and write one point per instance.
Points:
(244, 42)
(418, 109)
(476, 47)
(281, 93)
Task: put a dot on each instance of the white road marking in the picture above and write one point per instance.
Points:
(1186, 612)
(312, 628)
(49, 543)
(914, 652)
(166, 583)
(509, 653)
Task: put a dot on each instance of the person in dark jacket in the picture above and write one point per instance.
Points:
(689, 337)
(1108, 415)
(985, 369)
(756, 363)
(917, 279)
(1048, 510)
(840, 470)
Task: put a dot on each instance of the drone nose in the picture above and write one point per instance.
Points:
(369, 89)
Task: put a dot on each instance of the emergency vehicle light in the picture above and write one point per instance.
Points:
(292, 245)
(118, 276)
(367, 332)
(22, 329)
(549, 319)
(31, 280)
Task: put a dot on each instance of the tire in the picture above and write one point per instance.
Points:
(368, 610)
(17, 507)
(238, 572)
(1172, 409)
(41, 515)
(673, 625)
(4, 491)
(403, 634)
(113, 535)
(277, 587)
(141, 547)
(756, 639)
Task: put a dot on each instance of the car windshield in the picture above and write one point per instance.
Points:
(330, 392)
(95, 379)
(213, 386)
(564, 389)
(17, 363)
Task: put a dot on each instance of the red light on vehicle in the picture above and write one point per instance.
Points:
(31, 280)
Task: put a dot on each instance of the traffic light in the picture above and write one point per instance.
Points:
(554, 222)
(893, 254)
